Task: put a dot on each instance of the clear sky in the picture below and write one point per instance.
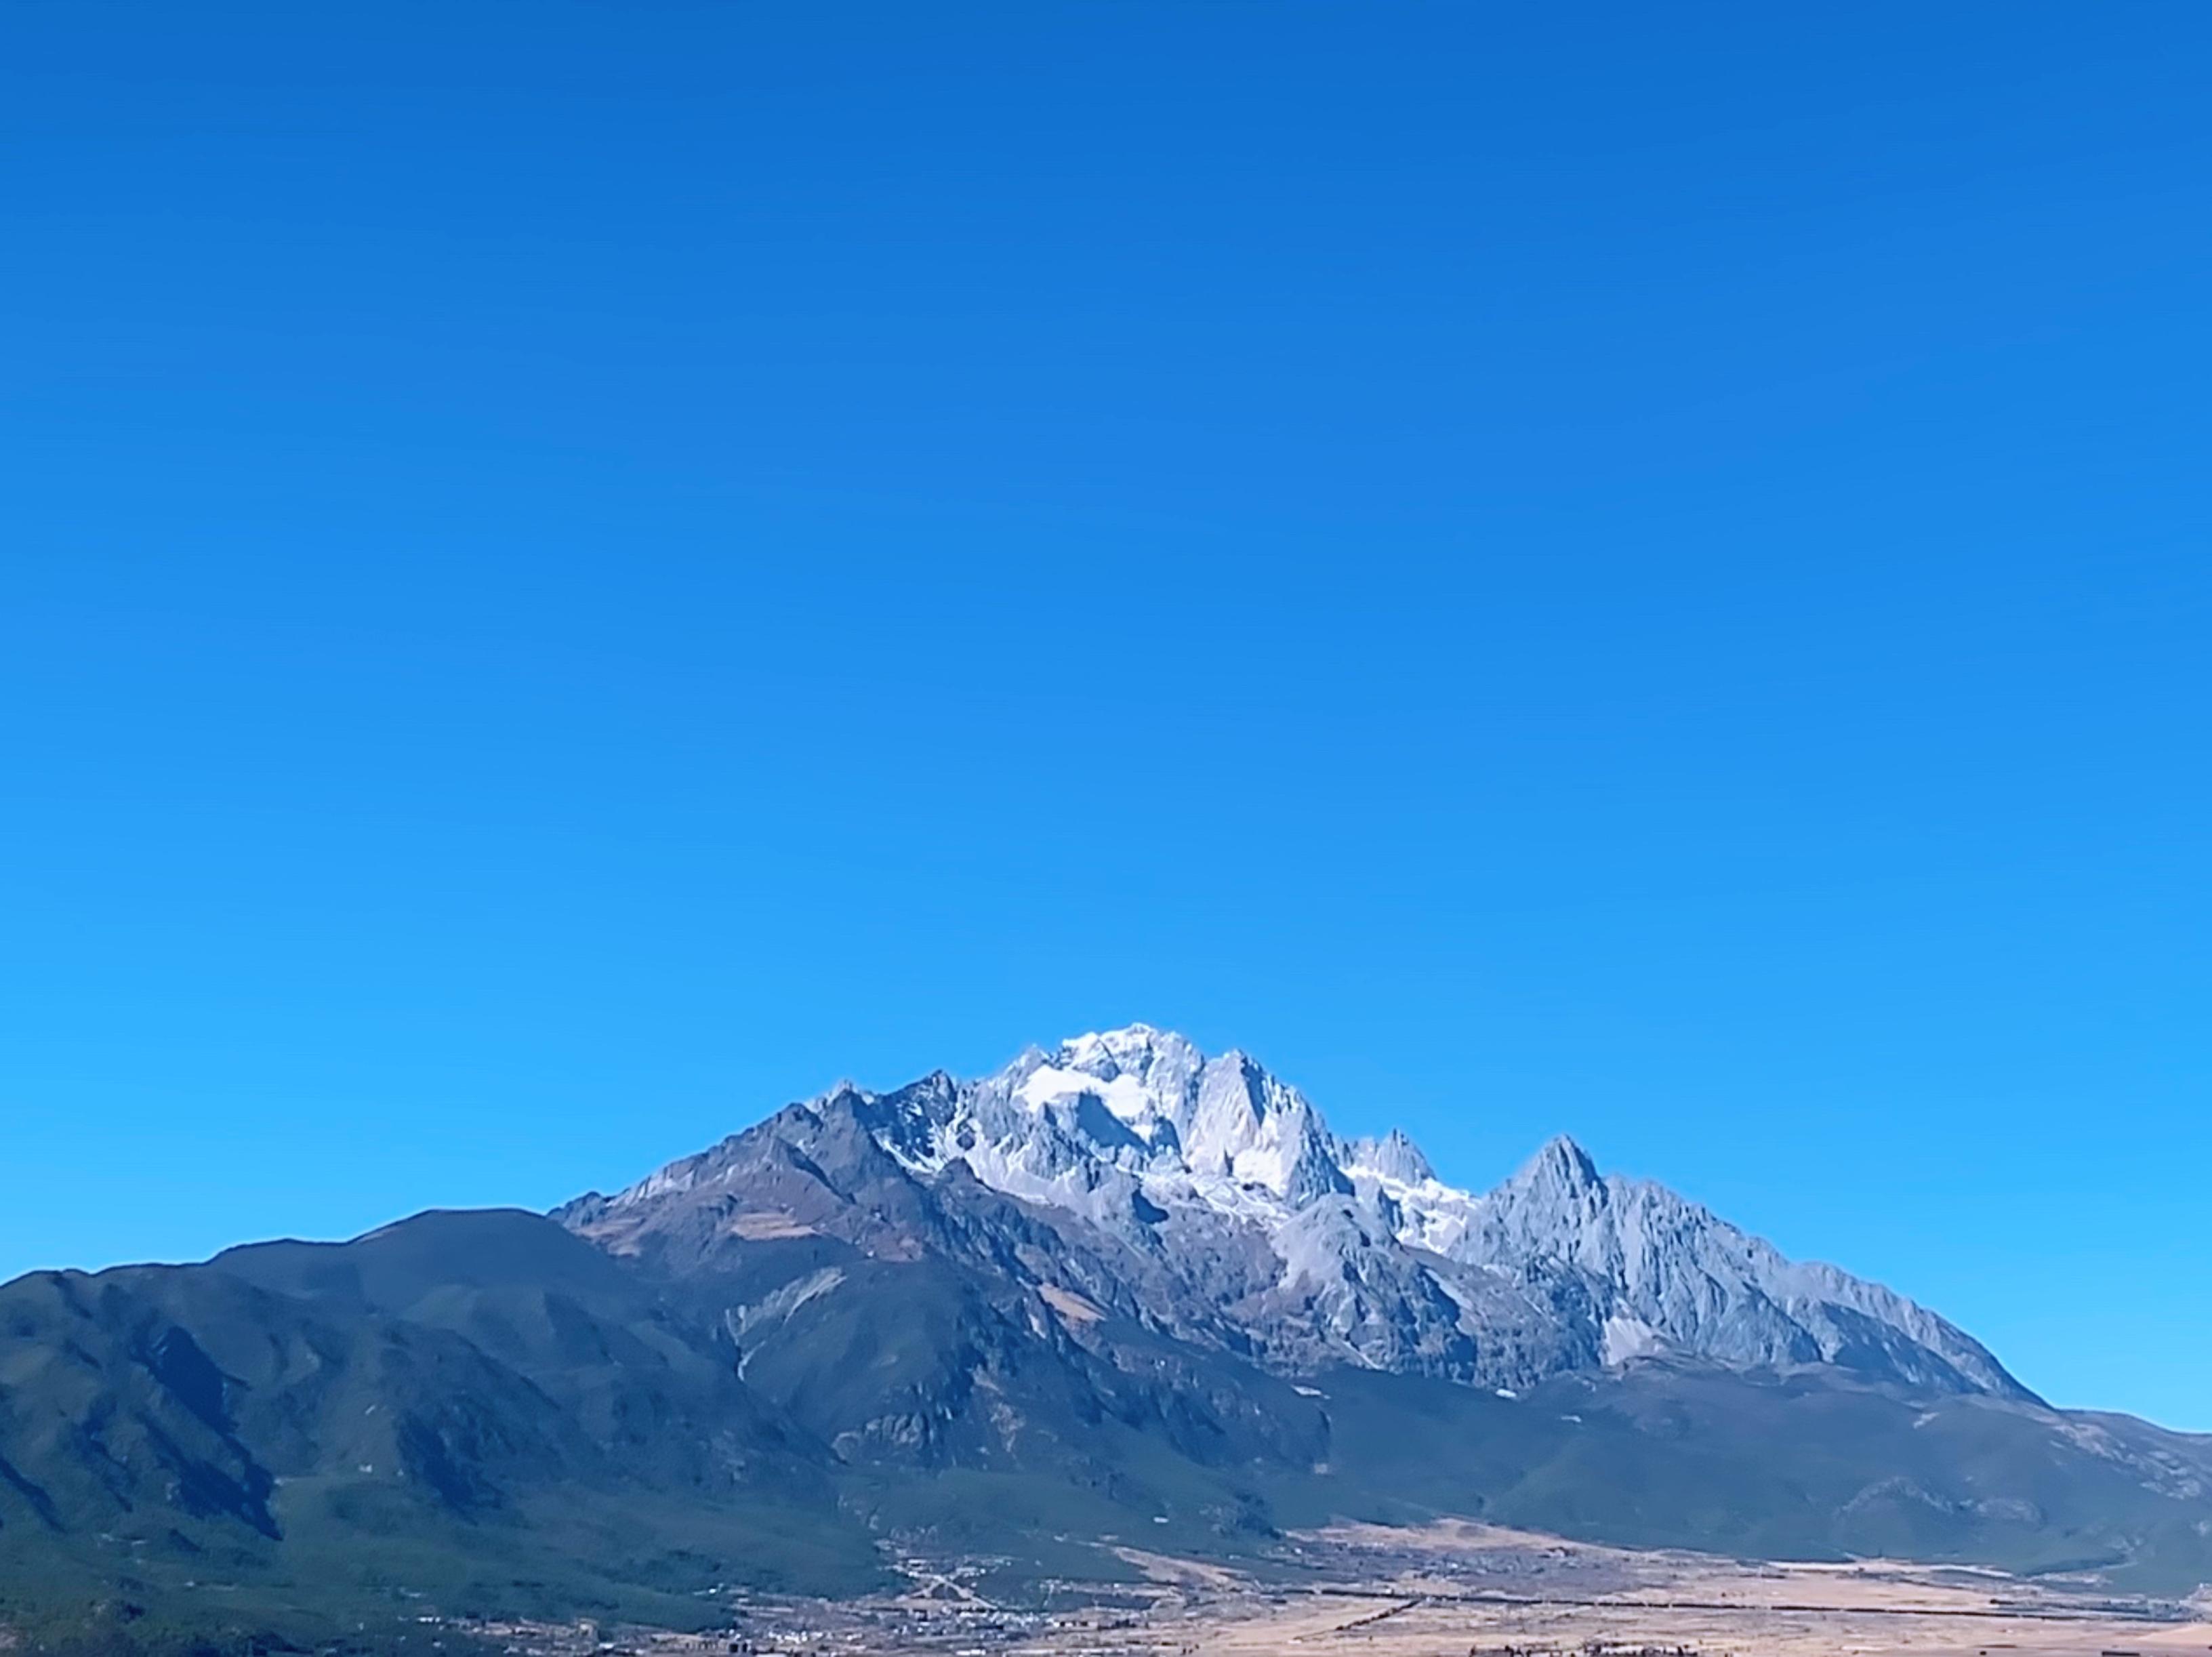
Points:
(574, 571)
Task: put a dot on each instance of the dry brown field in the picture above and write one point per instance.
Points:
(1473, 1591)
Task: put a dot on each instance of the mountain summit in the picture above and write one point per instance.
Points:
(1211, 1198)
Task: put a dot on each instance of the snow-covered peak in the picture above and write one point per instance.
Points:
(1133, 1048)
(1223, 1127)
(1144, 1077)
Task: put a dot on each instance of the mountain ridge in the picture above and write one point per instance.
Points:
(1192, 1163)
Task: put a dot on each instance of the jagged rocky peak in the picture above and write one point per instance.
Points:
(1393, 1157)
(1250, 1128)
(1560, 1168)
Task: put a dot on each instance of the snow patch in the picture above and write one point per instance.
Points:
(1626, 1338)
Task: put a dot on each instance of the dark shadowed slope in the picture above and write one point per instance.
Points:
(471, 1411)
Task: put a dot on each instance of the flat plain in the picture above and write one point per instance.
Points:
(1445, 1590)
(1450, 1589)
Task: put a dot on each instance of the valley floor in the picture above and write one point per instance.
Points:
(1440, 1592)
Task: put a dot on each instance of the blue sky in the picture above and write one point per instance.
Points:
(574, 571)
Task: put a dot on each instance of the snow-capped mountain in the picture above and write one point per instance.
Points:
(1120, 1289)
(1203, 1198)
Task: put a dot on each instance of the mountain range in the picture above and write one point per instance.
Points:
(1207, 1200)
(1118, 1289)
